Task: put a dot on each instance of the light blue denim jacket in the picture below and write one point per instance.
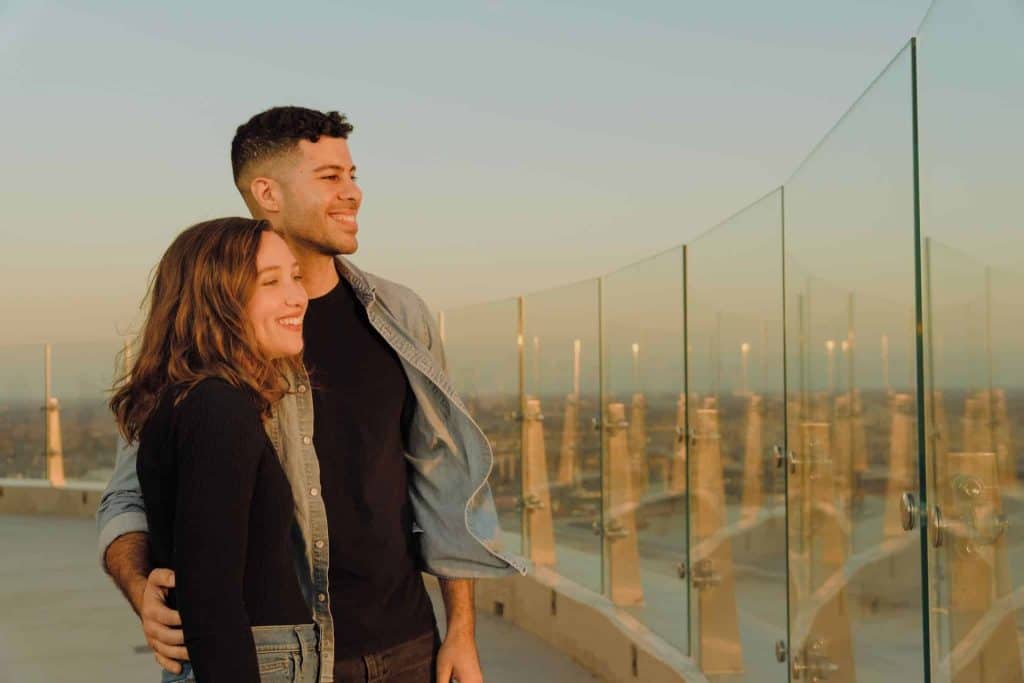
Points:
(450, 457)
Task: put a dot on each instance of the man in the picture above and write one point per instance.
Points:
(388, 471)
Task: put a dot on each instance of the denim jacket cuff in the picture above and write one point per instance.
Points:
(124, 523)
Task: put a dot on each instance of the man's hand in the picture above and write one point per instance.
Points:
(161, 624)
(127, 561)
(457, 660)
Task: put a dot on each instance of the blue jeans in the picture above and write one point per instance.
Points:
(286, 654)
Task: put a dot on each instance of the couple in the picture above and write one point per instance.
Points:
(294, 451)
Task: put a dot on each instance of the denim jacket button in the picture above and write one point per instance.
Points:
(301, 389)
(319, 544)
(321, 597)
(313, 491)
(306, 440)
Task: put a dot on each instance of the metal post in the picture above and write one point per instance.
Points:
(521, 413)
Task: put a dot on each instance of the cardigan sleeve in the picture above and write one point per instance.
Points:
(218, 440)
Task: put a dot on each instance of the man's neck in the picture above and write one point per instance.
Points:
(319, 274)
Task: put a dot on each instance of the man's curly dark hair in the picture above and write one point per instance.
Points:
(279, 130)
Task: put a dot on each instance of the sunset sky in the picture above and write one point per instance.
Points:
(503, 147)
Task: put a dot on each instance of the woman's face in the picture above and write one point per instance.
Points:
(278, 301)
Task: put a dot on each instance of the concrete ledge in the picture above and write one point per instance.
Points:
(38, 497)
(587, 627)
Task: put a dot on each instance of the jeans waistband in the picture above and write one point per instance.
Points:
(300, 639)
(288, 638)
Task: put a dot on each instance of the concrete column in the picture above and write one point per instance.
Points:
(902, 461)
(54, 449)
(1003, 441)
(638, 445)
(620, 515)
(568, 457)
(536, 493)
(719, 647)
(827, 648)
(753, 459)
(983, 645)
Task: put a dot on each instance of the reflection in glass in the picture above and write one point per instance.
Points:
(855, 573)
(561, 451)
(57, 425)
(973, 315)
(735, 399)
(482, 347)
(851, 413)
(971, 104)
(82, 377)
(21, 423)
(644, 410)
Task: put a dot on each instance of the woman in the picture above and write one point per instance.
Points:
(224, 324)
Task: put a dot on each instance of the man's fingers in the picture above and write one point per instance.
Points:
(168, 664)
(169, 651)
(162, 577)
(166, 636)
(164, 615)
(167, 642)
(154, 605)
(444, 672)
(158, 621)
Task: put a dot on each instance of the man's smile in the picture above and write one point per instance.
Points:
(347, 218)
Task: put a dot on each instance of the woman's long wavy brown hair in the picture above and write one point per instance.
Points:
(197, 327)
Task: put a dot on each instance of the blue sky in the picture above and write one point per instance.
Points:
(503, 147)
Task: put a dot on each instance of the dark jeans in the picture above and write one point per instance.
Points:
(413, 661)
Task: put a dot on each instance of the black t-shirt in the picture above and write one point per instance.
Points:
(361, 397)
(220, 510)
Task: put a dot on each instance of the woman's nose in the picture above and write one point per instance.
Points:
(296, 296)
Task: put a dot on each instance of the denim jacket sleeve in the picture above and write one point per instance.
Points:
(121, 510)
(435, 343)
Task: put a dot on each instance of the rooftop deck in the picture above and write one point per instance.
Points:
(61, 618)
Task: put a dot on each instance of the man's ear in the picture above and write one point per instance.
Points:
(266, 192)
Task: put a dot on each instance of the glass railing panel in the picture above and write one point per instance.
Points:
(855, 573)
(735, 401)
(21, 412)
(970, 105)
(72, 436)
(644, 412)
(974, 330)
(561, 448)
(482, 350)
(83, 375)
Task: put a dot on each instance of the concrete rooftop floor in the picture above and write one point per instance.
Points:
(62, 619)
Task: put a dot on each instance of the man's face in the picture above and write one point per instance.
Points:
(320, 198)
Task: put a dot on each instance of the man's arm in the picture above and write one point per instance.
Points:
(121, 510)
(127, 561)
(458, 656)
(124, 555)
